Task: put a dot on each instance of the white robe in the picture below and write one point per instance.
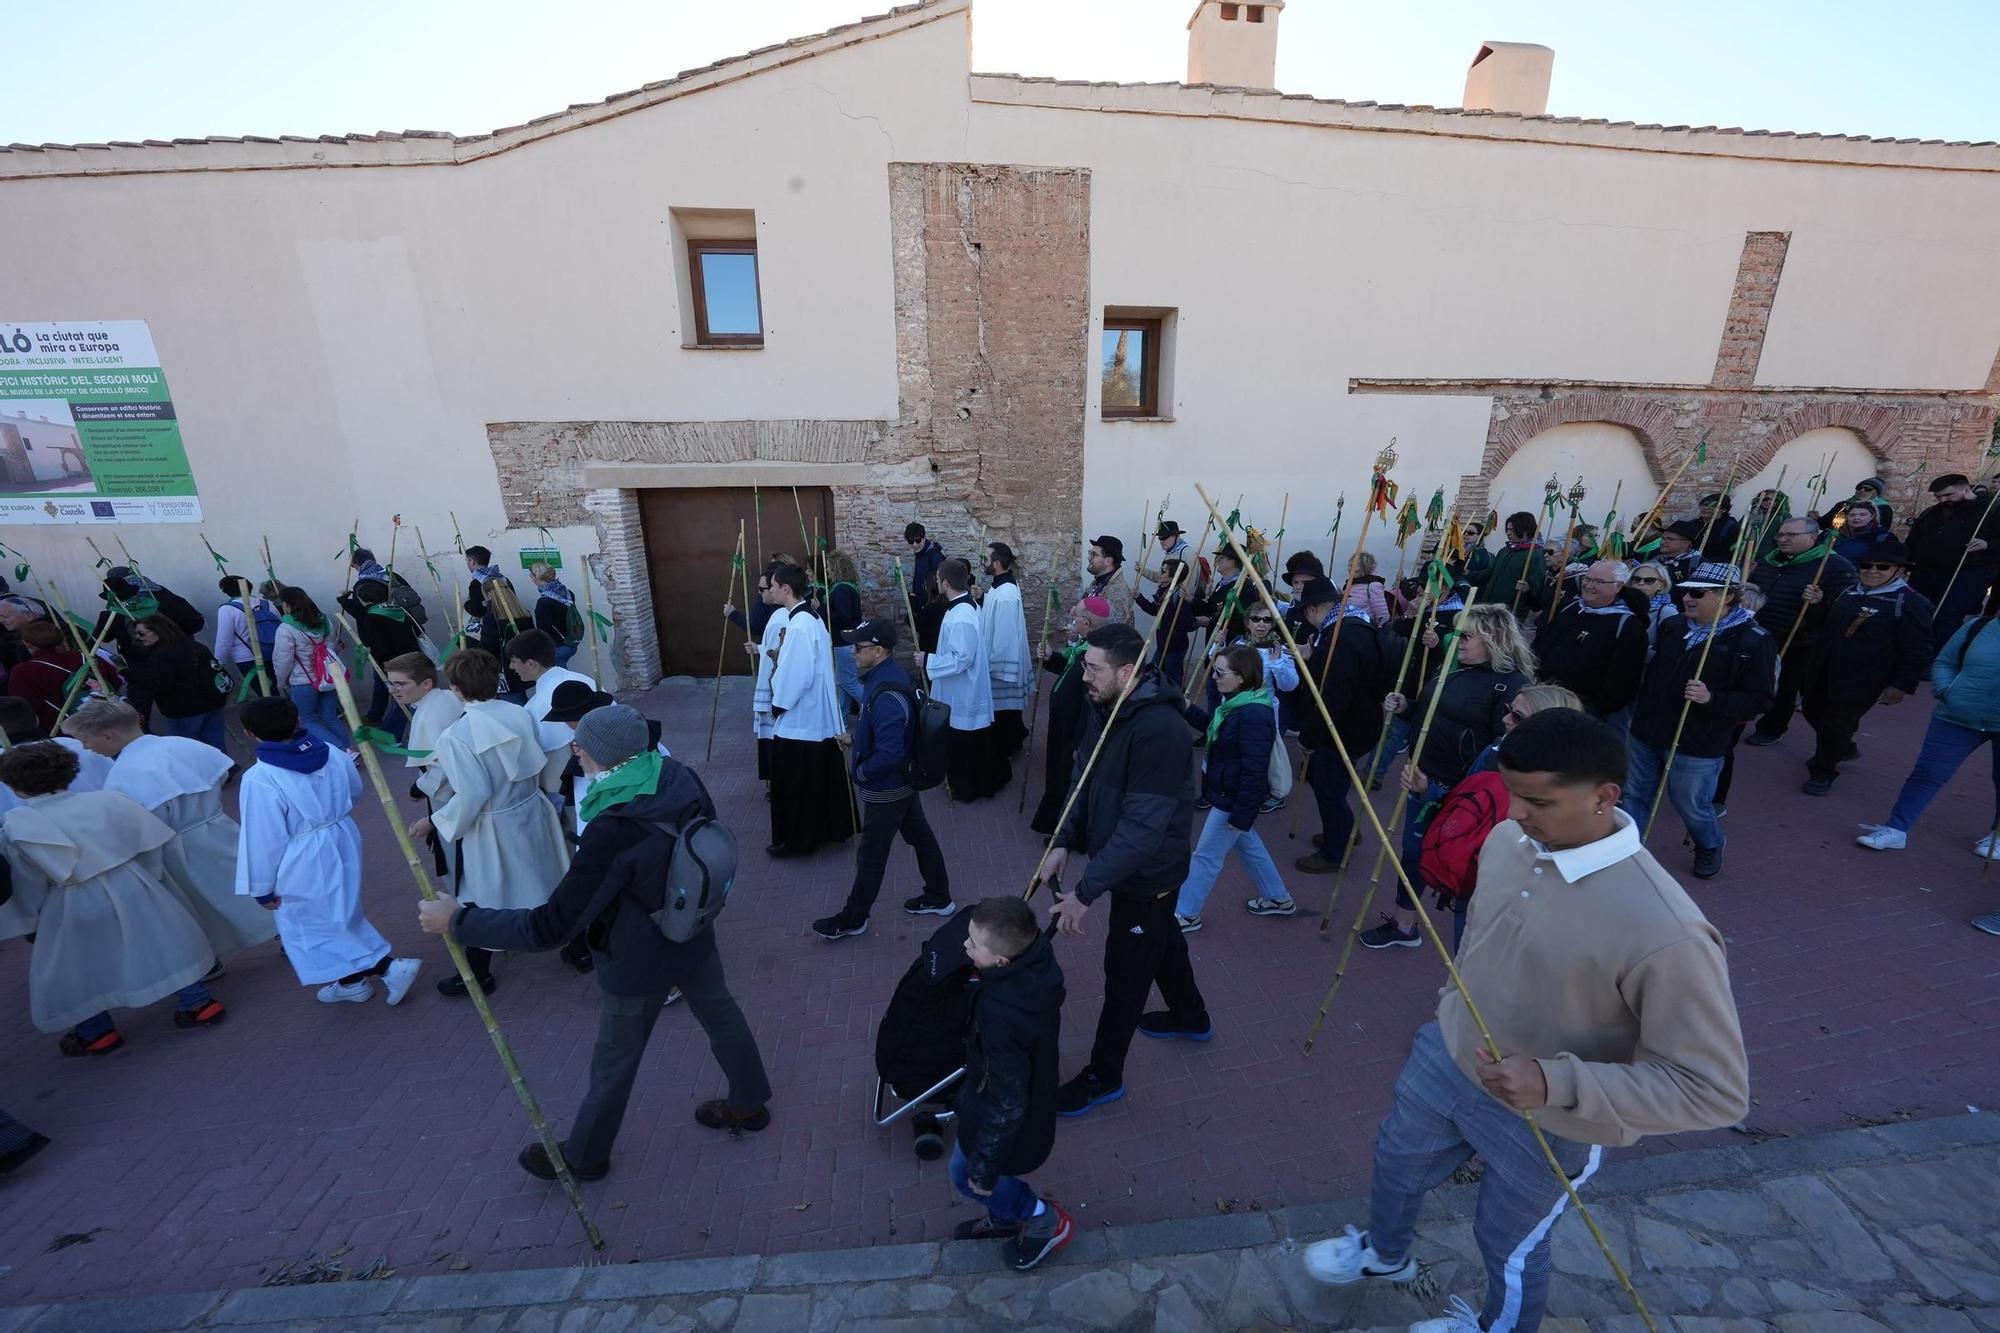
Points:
(109, 933)
(1003, 626)
(300, 841)
(180, 781)
(958, 670)
(92, 769)
(760, 707)
(438, 709)
(506, 829)
(803, 683)
(555, 736)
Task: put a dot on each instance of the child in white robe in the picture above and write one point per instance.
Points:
(300, 856)
(89, 885)
(179, 780)
(413, 683)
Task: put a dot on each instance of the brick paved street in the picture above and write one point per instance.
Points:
(201, 1161)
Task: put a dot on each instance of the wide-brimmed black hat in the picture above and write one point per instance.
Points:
(572, 699)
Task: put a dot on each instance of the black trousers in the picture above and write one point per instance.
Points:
(1967, 592)
(881, 821)
(1834, 722)
(1792, 678)
(1057, 759)
(1143, 948)
(625, 1024)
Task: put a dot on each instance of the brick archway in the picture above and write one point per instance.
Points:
(1649, 419)
(1879, 428)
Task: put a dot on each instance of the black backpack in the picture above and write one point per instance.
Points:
(929, 734)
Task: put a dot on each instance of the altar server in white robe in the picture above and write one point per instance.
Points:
(413, 683)
(1004, 627)
(809, 795)
(299, 855)
(180, 780)
(88, 884)
(961, 677)
(761, 717)
(502, 833)
(531, 657)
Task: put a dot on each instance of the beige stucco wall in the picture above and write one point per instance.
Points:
(337, 340)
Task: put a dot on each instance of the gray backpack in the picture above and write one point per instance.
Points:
(700, 874)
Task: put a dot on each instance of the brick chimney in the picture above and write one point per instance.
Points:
(1234, 44)
(1510, 76)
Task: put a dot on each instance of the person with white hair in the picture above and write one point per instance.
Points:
(1596, 645)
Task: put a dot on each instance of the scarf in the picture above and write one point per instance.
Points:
(1779, 560)
(1738, 615)
(1231, 704)
(371, 569)
(636, 777)
(485, 572)
(1897, 584)
(300, 754)
(310, 631)
(554, 588)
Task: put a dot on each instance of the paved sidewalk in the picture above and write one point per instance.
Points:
(1896, 1229)
(202, 1161)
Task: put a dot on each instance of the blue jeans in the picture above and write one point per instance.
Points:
(1327, 777)
(1946, 746)
(203, 727)
(564, 652)
(1218, 837)
(1012, 1201)
(1690, 786)
(185, 999)
(1395, 739)
(1417, 814)
(847, 676)
(319, 714)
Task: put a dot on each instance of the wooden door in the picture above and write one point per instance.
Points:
(690, 537)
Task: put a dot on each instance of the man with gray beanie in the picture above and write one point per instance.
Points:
(637, 797)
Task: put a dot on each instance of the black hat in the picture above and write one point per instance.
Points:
(1688, 529)
(881, 632)
(1713, 574)
(1167, 528)
(572, 699)
(1111, 546)
(1888, 551)
(1317, 592)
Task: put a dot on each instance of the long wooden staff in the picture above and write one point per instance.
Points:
(1180, 603)
(1687, 705)
(715, 704)
(437, 585)
(1385, 852)
(373, 763)
(916, 643)
(353, 633)
(1035, 695)
(757, 507)
(1284, 511)
(1800, 619)
(1145, 543)
(83, 645)
(76, 683)
(1652, 516)
(833, 669)
(1722, 498)
(244, 590)
(1457, 981)
(1146, 654)
(1958, 569)
(593, 628)
(1569, 551)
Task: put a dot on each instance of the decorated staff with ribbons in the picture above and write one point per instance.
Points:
(413, 680)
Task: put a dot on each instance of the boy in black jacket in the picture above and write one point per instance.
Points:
(1006, 1103)
(1349, 673)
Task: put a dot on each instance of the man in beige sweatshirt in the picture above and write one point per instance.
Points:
(1608, 995)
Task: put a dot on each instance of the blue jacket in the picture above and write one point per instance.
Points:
(1970, 695)
(924, 570)
(1237, 773)
(882, 732)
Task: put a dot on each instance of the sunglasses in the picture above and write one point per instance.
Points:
(1876, 564)
(1265, 620)
(1648, 578)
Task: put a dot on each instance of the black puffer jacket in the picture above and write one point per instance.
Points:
(1468, 718)
(1741, 674)
(1352, 682)
(1598, 654)
(1236, 776)
(1784, 587)
(1871, 641)
(1133, 816)
(619, 876)
(1006, 1103)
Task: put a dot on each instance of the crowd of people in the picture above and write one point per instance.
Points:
(1536, 705)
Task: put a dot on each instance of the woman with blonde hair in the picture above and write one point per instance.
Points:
(555, 611)
(1654, 582)
(1493, 665)
(1366, 591)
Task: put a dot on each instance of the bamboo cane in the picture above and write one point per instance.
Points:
(1472, 1009)
(757, 512)
(1139, 574)
(1728, 485)
(1562, 569)
(69, 695)
(1945, 596)
(1333, 533)
(250, 633)
(1035, 697)
(833, 666)
(127, 554)
(83, 645)
(1146, 653)
(353, 537)
(1385, 852)
(437, 586)
(916, 643)
(269, 568)
(395, 531)
(715, 704)
(591, 631)
(1340, 623)
(353, 633)
(804, 541)
(102, 559)
(1652, 516)
(1800, 619)
(1750, 555)
(1284, 512)
(1180, 603)
(1687, 705)
(373, 763)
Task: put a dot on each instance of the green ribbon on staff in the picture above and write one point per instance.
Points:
(386, 743)
(602, 624)
(75, 678)
(221, 561)
(21, 572)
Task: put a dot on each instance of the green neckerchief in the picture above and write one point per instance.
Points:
(637, 776)
(304, 628)
(1782, 561)
(1260, 695)
(385, 742)
(388, 611)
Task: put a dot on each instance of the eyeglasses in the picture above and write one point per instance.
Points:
(1601, 583)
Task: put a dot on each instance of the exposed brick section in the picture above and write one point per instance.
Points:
(620, 565)
(1743, 329)
(1993, 376)
(540, 463)
(1648, 417)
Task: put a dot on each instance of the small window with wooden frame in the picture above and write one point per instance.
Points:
(722, 277)
(1130, 370)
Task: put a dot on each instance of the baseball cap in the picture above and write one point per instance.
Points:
(880, 632)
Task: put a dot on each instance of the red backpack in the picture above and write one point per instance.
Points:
(1471, 810)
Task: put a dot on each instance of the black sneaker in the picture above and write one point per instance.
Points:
(985, 1228)
(929, 1131)
(1388, 936)
(1040, 1237)
(1707, 862)
(535, 1161)
(837, 927)
(1163, 1026)
(1201, 803)
(1817, 786)
(1761, 738)
(453, 986)
(1084, 1093)
(1852, 751)
(921, 905)
(1272, 804)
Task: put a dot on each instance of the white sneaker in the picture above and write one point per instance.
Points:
(1348, 1258)
(1984, 847)
(1884, 839)
(402, 975)
(335, 993)
(1458, 1318)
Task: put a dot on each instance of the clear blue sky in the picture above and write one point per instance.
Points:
(1917, 69)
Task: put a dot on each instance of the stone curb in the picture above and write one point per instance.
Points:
(735, 1274)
